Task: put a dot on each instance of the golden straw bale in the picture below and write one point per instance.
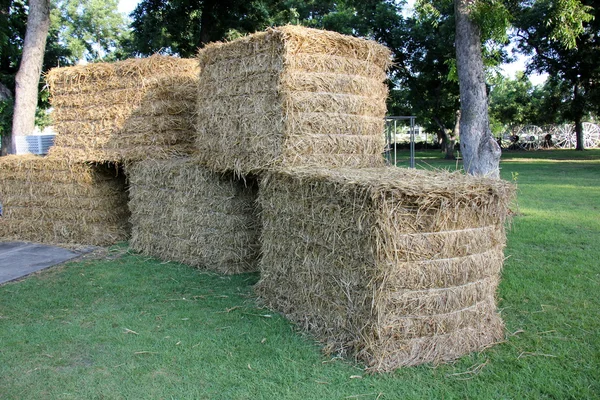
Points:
(53, 200)
(394, 266)
(124, 111)
(182, 212)
(291, 96)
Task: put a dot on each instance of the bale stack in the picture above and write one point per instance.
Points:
(183, 212)
(397, 267)
(124, 111)
(54, 201)
(292, 96)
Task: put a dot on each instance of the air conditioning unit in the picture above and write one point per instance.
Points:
(34, 144)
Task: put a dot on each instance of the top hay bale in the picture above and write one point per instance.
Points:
(292, 96)
(396, 267)
(124, 111)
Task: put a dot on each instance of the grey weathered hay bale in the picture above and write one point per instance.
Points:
(124, 111)
(397, 267)
(292, 96)
(55, 201)
(182, 212)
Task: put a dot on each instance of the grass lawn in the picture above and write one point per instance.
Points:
(127, 327)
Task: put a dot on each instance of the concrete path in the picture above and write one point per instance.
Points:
(18, 259)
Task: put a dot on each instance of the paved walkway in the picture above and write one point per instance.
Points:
(19, 259)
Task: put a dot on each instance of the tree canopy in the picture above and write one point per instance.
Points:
(79, 30)
(563, 40)
(181, 26)
(561, 36)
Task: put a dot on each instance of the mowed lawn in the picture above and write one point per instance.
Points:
(126, 327)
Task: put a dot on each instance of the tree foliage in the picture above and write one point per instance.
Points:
(426, 75)
(79, 30)
(518, 102)
(182, 26)
(87, 29)
(563, 39)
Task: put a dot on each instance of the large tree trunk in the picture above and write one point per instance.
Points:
(30, 69)
(481, 153)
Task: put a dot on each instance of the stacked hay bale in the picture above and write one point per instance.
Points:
(51, 200)
(397, 267)
(124, 111)
(292, 96)
(183, 212)
(287, 96)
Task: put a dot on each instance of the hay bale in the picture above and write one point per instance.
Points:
(397, 267)
(292, 96)
(182, 212)
(124, 111)
(55, 201)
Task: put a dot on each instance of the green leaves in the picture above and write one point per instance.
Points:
(493, 18)
(566, 19)
(88, 29)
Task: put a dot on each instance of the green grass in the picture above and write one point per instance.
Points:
(133, 328)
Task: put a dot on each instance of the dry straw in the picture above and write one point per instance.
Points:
(56, 201)
(182, 212)
(124, 111)
(396, 267)
(292, 96)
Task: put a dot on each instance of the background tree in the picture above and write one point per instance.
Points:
(426, 75)
(481, 152)
(563, 38)
(87, 30)
(513, 102)
(79, 30)
(517, 101)
(13, 20)
(30, 69)
(182, 26)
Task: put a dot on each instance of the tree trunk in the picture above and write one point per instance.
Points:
(578, 113)
(5, 95)
(30, 69)
(481, 153)
(451, 141)
(579, 134)
(206, 21)
(445, 140)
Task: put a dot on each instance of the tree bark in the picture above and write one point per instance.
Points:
(481, 153)
(30, 69)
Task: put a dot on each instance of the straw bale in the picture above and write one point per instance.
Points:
(182, 212)
(291, 96)
(53, 200)
(121, 111)
(396, 267)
